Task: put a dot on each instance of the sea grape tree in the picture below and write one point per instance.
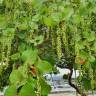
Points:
(34, 33)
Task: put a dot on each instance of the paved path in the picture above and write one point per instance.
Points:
(66, 94)
(62, 94)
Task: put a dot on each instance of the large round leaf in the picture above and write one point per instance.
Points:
(15, 77)
(11, 91)
(44, 66)
(29, 56)
(27, 90)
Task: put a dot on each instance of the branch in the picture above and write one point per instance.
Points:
(73, 85)
(70, 79)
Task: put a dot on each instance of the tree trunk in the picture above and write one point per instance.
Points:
(73, 85)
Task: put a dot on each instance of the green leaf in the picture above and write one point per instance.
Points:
(9, 32)
(91, 58)
(1, 1)
(36, 4)
(83, 54)
(44, 66)
(48, 21)
(36, 18)
(21, 47)
(23, 70)
(11, 91)
(38, 40)
(3, 22)
(94, 46)
(15, 56)
(32, 81)
(33, 25)
(23, 26)
(86, 83)
(27, 90)
(91, 36)
(29, 56)
(21, 35)
(15, 77)
(56, 17)
(67, 13)
(86, 34)
(76, 19)
(81, 45)
(45, 88)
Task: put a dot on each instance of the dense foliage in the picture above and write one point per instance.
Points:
(34, 33)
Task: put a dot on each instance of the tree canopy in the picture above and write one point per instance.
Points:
(34, 34)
